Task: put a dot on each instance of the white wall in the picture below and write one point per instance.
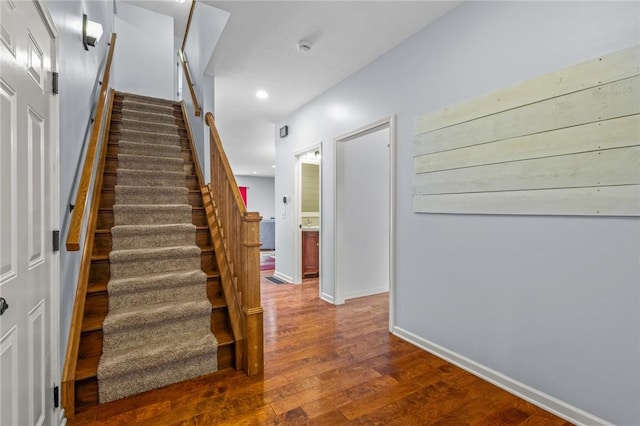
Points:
(79, 71)
(260, 194)
(206, 27)
(144, 62)
(552, 302)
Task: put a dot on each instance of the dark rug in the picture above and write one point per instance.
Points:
(275, 280)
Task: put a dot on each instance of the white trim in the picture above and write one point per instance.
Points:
(366, 292)
(326, 297)
(547, 402)
(41, 7)
(283, 277)
(392, 220)
(54, 157)
(390, 122)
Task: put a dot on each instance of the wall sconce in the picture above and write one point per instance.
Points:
(91, 32)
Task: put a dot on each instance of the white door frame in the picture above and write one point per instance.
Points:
(58, 416)
(390, 123)
(297, 238)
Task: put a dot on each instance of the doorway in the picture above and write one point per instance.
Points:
(308, 213)
(364, 212)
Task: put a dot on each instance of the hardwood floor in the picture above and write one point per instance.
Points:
(327, 365)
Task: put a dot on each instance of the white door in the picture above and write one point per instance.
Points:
(26, 184)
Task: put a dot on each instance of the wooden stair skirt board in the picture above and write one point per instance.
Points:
(155, 312)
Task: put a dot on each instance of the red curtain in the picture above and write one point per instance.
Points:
(243, 194)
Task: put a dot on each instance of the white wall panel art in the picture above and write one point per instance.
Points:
(566, 143)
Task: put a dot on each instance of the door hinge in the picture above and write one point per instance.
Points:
(56, 240)
(54, 82)
(56, 397)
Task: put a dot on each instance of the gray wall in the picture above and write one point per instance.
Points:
(260, 195)
(552, 302)
(79, 70)
(205, 30)
(143, 61)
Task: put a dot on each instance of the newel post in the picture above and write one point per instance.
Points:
(251, 305)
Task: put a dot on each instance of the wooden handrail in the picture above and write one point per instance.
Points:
(187, 75)
(224, 162)
(75, 329)
(240, 239)
(196, 160)
(185, 67)
(77, 216)
(186, 31)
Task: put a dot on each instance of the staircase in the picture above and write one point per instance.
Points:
(151, 235)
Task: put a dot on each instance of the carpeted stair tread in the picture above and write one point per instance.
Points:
(145, 315)
(138, 262)
(133, 177)
(147, 236)
(159, 253)
(157, 288)
(147, 107)
(151, 214)
(147, 126)
(121, 286)
(151, 195)
(144, 148)
(128, 372)
(126, 361)
(150, 137)
(147, 100)
(150, 162)
(143, 115)
(153, 323)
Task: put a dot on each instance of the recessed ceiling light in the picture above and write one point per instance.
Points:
(273, 167)
(261, 94)
(255, 173)
(181, 1)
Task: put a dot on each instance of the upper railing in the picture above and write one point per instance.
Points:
(185, 64)
(240, 240)
(186, 31)
(77, 215)
(187, 76)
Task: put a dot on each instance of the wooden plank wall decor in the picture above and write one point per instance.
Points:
(566, 143)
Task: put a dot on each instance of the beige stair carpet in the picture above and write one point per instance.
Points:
(158, 329)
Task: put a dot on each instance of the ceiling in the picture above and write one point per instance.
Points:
(258, 50)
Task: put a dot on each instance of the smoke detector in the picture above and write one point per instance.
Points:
(304, 46)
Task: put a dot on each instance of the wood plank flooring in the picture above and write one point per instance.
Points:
(327, 365)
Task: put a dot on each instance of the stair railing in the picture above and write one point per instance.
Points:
(104, 107)
(78, 212)
(185, 64)
(224, 263)
(240, 243)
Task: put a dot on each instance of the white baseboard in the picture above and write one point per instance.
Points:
(547, 402)
(62, 420)
(366, 292)
(326, 297)
(283, 277)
